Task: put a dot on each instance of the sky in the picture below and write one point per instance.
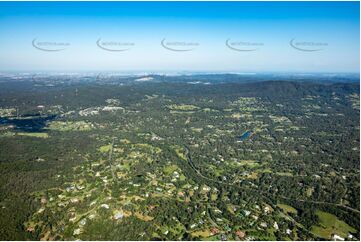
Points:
(180, 36)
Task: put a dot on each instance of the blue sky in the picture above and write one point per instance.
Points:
(330, 29)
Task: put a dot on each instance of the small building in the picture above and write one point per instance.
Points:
(223, 237)
(214, 231)
(106, 206)
(77, 232)
(336, 237)
(264, 225)
(275, 226)
(82, 222)
(118, 215)
(240, 234)
(246, 212)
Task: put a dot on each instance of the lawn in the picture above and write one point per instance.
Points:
(287, 209)
(202, 233)
(249, 163)
(330, 224)
(33, 134)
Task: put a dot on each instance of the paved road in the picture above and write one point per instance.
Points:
(320, 202)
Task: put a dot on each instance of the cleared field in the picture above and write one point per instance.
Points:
(70, 126)
(202, 233)
(287, 208)
(183, 107)
(170, 169)
(37, 135)
(329, 225)
(105, 148)
(250, 163)
(143, 217)
(284, 174)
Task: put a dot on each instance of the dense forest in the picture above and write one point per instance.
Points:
(179, 158)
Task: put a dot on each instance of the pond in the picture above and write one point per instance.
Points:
(245, 135)
(28, 123)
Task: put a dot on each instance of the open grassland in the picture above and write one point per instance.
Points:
(329, 224)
